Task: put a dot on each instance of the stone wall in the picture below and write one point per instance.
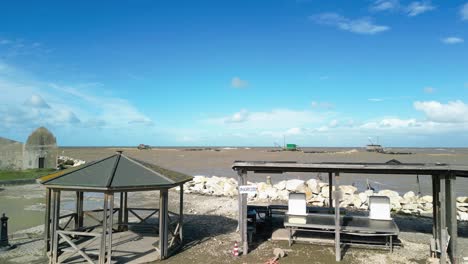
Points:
(317, 194)
(11, 155)
(31, 155)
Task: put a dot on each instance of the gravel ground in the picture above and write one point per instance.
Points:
(210, 233)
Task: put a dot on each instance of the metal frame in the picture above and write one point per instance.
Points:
(443, 181)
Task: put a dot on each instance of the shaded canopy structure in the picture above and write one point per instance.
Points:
(115, 174)
(443, 181)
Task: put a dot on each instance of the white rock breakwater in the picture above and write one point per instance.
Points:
(317, 194)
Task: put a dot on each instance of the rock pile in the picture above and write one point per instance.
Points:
(64, 162)
(317, 194)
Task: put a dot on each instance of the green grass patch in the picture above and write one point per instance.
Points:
(6, 175)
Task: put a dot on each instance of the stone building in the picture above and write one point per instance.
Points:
(39, 151)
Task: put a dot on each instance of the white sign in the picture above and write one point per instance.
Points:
(248, 189)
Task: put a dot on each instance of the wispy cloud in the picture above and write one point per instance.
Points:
(464, 12)
(237, 82)
(412, 9)
(36, 101)
(238, 117)
(375, 99)
(385, 5)
(322, 105)
(359, 26)
(417, 8)
(429, 90)
(452, 40)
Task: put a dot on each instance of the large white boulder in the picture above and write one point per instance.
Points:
(462, 199)
(199, 179)
(409, 195)
(325, 191)
(280, 185)
(295, 185)
(357, 202)
(314, 186)
(272, 193)
(283, 195)
(229, 189)
(463, 216)
(388, 193)
(426, 199)
(348, 189)
(363, 196)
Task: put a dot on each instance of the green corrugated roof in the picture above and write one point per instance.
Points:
(116, 172)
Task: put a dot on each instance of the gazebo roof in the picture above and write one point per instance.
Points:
(117, 172)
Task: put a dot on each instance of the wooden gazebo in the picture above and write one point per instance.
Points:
(117, 174)
(443, 183)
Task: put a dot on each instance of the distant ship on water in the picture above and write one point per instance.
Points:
(374, 147)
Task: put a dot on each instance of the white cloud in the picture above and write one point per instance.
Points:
(429, 90)
(452, 40)
(322, 105)
(237, 82)
(452, 112)
(238, 117)
(375, 99)
(36, 101)
(385, 5)
(359, 26)
(294, 131)
(417, 8)
(333, 123)
(464, 12)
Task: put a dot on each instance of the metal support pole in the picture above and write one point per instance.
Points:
(181, 214)
(111, 222)
(443, 222)
(337, 219)
(47, 221)
(452, 217)
(163, 223)
(102, 251)
(435, 199)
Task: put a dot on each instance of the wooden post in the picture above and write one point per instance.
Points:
(163, 225)
(55, 226)
(337, 219)
(245, 241)
(47, 221)
(102, 251)
(120, 213)
(111, 222)
(125, 212)
(330, 190)
(451, 215)
(181, 214)
(443, 222)
(79, 210)
(239, 200)
(435, 199)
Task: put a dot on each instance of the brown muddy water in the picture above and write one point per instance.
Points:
(218, 162)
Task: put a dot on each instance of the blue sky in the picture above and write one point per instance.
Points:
(242, 73)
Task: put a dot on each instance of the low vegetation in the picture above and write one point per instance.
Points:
(6, 175)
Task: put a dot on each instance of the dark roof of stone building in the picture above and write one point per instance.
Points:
(117, 172)
(40, 137)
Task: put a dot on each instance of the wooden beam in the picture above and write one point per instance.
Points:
(330, 190)
(120, 215)
(245, 241)
(337, 219)
(125, 212)
(47, 222)
(181, 214)
(109, 231)
(443, 223)
(77, 248)
(102, 250)
(451, 214)
(239, 210)
(163, 226)
(55, 226)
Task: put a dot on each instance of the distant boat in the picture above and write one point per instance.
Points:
(374, 148)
